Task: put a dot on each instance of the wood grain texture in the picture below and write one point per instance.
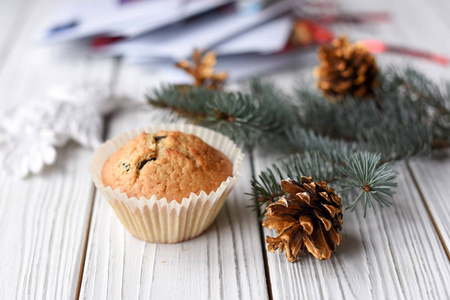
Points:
(43, 224)
(432, 173)
(43, 218)
(387, 255)
(433, 176)
(396, 253)
(225, 262)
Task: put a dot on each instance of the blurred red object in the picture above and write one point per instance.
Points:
(372, 17)
(308, 33)
(376, 46)
(100, 41)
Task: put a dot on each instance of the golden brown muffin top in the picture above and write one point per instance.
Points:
(167, 164)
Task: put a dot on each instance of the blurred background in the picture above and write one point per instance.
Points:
(144, 38)
(249, 37)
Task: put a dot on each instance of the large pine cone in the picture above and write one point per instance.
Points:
(346, 69)
(310, 217)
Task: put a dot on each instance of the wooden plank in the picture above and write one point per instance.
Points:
(43, 224)
(432, 175)
(225, 262)
(393, 254)
(43, 227)
(44, 218)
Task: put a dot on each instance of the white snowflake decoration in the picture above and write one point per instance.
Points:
(30, 134)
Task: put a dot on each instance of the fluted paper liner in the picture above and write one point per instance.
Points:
(158, 220)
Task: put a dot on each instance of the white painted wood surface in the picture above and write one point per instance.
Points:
(47, 221)
(43, 219)
(432, 175)
(382, 256)
(388, 255)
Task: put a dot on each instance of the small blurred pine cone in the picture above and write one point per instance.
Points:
(346, 70)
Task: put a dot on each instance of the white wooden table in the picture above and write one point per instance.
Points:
(59, 239)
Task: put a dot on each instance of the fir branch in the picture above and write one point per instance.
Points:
(374, 181)
(248, 119)
(301, 140)
(343, 143)
(341, 120)
(328, 160)
(395, 142)
(395, 127)
(416, 86)
(186, 101)
(266, 189)
(362, 172)
(320, 158)
(427, 97)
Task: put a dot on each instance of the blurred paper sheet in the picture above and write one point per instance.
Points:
(109, 17)
(188, 8)
(265, 39)
(206, 32)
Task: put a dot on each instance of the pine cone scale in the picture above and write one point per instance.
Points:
(303, 198)
(287, 241)
(326, 222)
(279, 224)
(284, 211)
(347, 73)
(360, 92)
(324, 195)
(306, 223)
(290, 187)
(332, 210)
(318, 246)
(334, 237)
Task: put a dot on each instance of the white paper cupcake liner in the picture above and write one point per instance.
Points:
(158, 220)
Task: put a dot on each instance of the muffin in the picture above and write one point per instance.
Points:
(167, 164)
(167, 183)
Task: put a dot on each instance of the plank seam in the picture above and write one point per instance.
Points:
(86, 241)
(117, 63)
(262, 240)
(436, 228)
(235, 259)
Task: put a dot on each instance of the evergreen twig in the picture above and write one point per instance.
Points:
(360, 172)
(248, 119)
(375, 181)
(343, 143)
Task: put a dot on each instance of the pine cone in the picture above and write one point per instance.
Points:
(310, 217)
(202, 69)
(346, 69)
